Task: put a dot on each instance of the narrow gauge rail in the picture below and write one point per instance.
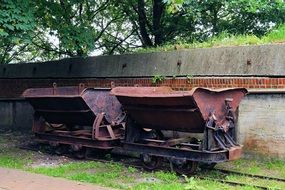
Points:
(249, 175)
(233, 183)
(138, 165)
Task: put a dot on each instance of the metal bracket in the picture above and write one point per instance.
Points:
(54, 85)
(38, 123)
(96, 125)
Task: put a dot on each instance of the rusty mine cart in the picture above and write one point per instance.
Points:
(182, 127)
(76, 116)
(161, 123)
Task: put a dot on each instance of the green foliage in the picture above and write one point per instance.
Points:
(275, 36)
(189, 77)
(212, 17)
(45, 30)
(16, 18)
(158, 186)
(166, 176)
(174, 5)
(157, 78)
(151, 23)
(8, 161)
(116, 175)
(275, 164)
(192, 184)
(225, 39)
(76, 24)
(16, 29)
(132, 169)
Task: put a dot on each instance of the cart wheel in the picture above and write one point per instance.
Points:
(60, 150)
(207, 166)
(185, 167)
(80, 154)
(150, 162)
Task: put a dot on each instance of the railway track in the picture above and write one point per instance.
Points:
(136, 163)
(138, 166)
(125, 160)
(249, 175)
(224, 173)
(233, 183)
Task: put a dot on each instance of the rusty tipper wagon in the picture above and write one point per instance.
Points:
(161, 123)
(76, 117)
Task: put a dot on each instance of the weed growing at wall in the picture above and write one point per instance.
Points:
(157, 78)
(189, 77)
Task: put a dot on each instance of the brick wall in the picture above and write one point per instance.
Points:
(13, 88)
(261, 121)
(261, 124)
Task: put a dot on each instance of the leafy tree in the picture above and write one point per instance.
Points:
(49, 29)
(77, 25)
(233, 16)
(153, 25)
(119, 36)
(157, 22)
(16, 30)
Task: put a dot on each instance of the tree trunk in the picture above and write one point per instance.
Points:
(143, 25)
(158, 9)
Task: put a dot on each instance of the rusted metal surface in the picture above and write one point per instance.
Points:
(176, 153)
(235, 152)
(74, 105)
(165, 109)
(76, 112)
(76, 142)
(201, 110)
(150, 110)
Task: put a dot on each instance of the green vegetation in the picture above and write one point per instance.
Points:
(189, 77)
(17, 26)
(36, 30)
(118, 176)
(157, 78)
(12, 162)
(225, 40)
(11, 156)
(91, 172)
(261, 166)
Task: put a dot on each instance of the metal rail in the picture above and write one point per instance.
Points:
(138, 166)
(249, 175)
(233, 183)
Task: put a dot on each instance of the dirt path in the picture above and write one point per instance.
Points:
(11, 179)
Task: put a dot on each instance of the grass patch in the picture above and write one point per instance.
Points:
(86, 171)
(262, 182)
(166, 176)
(132, 169)
(277, 35)
(72, 167)
(104, 178)
(12, 162)
(260, 166)
(275, 164)
(116, 175)
(14, 158)
(158, 186)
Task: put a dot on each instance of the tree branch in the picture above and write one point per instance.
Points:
(120, 42)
